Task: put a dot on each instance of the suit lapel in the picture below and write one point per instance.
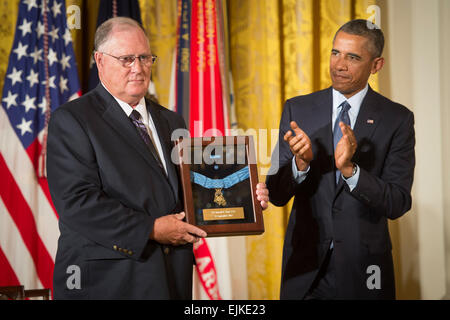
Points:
(368, 118)
(120, 123)
(162, 127)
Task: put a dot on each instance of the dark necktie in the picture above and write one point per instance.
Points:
(337, 134)
(135, 117)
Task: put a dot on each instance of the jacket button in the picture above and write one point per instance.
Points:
(115, 247)
(166, 250)
(130, 252)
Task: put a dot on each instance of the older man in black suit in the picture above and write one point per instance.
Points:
(114, 185)
(346, 154)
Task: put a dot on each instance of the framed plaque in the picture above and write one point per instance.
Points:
(219, 177)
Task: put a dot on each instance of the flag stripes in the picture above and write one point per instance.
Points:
(23, 218)
(17, 256)
(9, 277)
(206, 104)
(19, 165)
(33, 152)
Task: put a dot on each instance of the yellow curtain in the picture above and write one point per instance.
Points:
(159, 19)
(9, 11)
(278, 49)
(255, 43)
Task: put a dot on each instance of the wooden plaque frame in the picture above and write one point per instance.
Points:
(222, 227)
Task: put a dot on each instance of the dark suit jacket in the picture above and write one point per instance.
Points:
(323, 212)
(108, 190)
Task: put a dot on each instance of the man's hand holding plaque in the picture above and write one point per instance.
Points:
(262, 194)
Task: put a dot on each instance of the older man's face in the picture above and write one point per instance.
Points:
(129, 84)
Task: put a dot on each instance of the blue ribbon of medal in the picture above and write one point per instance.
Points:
(226, 182)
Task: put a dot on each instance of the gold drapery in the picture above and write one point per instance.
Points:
(160, 21)
(278, 49)
(8, 16)
(255, 42)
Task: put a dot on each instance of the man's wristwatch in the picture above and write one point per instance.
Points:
(355, 168)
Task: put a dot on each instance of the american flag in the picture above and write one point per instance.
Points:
(41, 75)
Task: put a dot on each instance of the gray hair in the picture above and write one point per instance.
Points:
(103, 32)
(368, 30)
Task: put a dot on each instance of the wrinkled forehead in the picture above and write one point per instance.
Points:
(126, 37)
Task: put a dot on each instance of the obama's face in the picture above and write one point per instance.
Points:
(351, 63)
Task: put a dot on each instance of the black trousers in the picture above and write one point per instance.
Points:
(324, 285)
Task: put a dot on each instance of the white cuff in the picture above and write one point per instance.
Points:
(299, 176)
(353, 180)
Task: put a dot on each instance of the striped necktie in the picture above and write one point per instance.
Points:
(337, 134)
(146, 135)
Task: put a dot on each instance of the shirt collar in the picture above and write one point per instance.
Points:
(355, 101)
(141, 106)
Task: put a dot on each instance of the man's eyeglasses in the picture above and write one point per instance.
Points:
(127, 61)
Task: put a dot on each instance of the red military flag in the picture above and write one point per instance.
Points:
(202, 97)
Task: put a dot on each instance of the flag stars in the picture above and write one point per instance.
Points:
(52, 58)
(31, 4)
(29, 103)
(51, 82)
(67, 37)
(63, 84)
(65, 61)
(36, 55)
(10, 100)
(40, 29)
(21, 51)
(38, 67)
(25, 126)
(15, 76)
(33, 78)
(43, 105)
(56, 8)
(54, 34)
(25, 27)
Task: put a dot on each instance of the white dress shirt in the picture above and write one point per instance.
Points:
(355, 103)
